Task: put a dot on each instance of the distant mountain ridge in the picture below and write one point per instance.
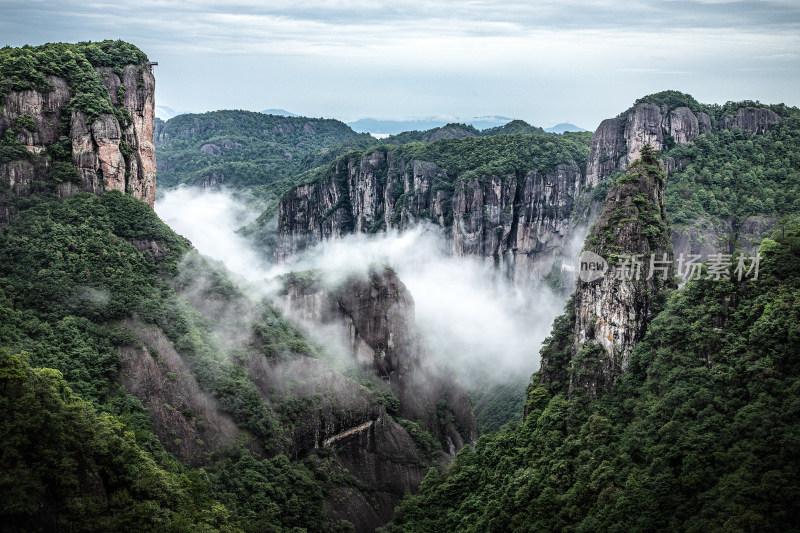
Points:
(241, 147)
(394, 127)
(563, 127)
(280, 112)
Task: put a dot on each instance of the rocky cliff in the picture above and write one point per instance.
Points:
(374, 318)
(626, 263)
(73, 132)
(520, 218)
(618, 141)
(517, 216)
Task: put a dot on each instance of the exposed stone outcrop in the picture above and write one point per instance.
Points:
(156, 251)
(375, 319)
(385, 457)
(323, 411)
(333, 403)
(705, 237)
(751, 119)
(518, 222)
(618, 141)
(613, 310)
(106, 155)
(185, 419)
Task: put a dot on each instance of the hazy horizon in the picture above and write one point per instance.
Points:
(579, 61)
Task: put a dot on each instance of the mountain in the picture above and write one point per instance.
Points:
(394, 127)
(702, 196)
(279, 112)
(563, 127)
(141, 387)
(241, 148)
(612, 313)
(506, 197)
(697, 432)
(76, 118)
(705, 198)
(458, 131)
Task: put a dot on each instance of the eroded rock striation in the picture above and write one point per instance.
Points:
(612, 309)
(109, 151)
(618, 141)
(518, 221)
(374, 317)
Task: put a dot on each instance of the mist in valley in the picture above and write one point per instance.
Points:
(478, 327)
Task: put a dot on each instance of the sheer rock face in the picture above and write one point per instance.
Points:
(613, 311)
(618, 141)
(751, 119)
(385, 458)
(374, 318)
(106, 155)
(517, 223)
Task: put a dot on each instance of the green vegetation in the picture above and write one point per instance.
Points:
(515, 127)
(477, 157)
(327, 155)
(69, 274)
(28, 68)
(631, 212)
(673, 100)
(499, 404)
(449, 131)
(733, 175)
(426, 441)
(91, 473)
(242, 148)
(500, 155)
(701, 435)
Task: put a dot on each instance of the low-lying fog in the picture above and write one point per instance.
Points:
(474, 321)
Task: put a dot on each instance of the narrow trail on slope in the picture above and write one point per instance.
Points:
(345, 434)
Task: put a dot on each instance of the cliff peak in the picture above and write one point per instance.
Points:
(76, 118)
(626, 263)
(663, 120)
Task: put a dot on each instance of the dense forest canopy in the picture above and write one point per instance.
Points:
(28, 67)
(701, 434)
(242, 148)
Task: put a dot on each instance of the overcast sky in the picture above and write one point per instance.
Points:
(549, 61)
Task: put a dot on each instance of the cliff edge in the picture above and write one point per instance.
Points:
(76, 118)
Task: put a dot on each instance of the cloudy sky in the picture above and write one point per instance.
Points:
(545, 61)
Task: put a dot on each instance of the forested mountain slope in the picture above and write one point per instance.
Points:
(242, 148)
(141, 389)
(699, 432)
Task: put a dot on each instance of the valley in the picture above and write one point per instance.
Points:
(360, 334)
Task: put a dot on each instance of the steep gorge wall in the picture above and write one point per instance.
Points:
(105, 154)
(619, 141)
(518, 222)
(374, 318)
